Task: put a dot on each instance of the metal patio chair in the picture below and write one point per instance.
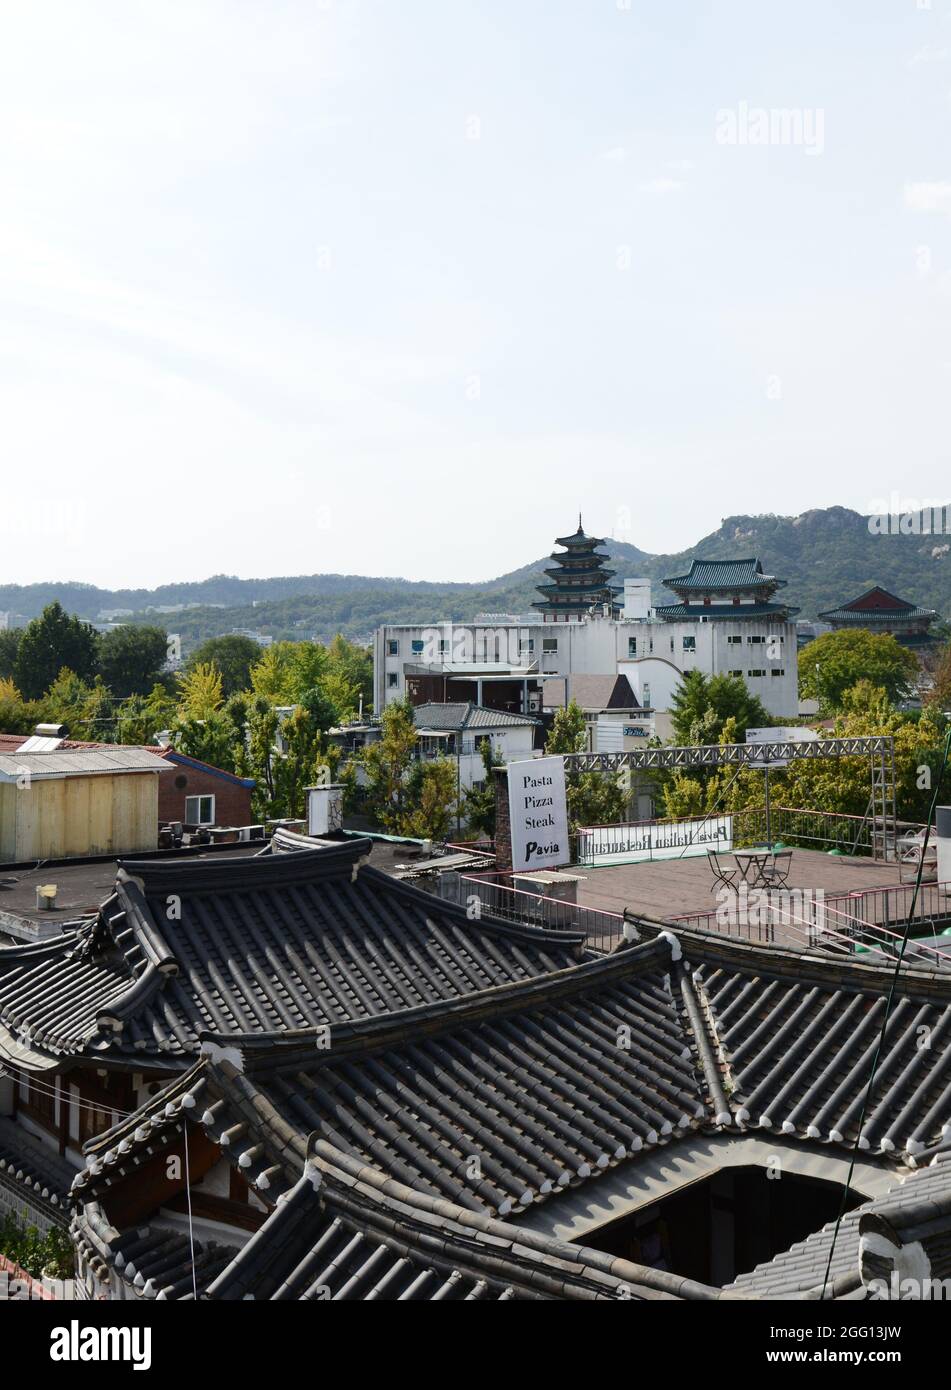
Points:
(720, 874)
(777, 873)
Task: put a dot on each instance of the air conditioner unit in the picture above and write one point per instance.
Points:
(534, 703)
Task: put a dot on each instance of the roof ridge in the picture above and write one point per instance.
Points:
(264, 1051)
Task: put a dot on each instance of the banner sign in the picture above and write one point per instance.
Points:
(538, 814)
(652, 839)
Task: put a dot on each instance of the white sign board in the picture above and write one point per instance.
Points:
(538, 814)
(629, 844)
(781, 734)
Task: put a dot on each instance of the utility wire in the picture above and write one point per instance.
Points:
(888, 1008)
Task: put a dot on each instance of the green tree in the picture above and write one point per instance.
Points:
(703, 704)
(131, 658)
(9, 646)
(431, 800)
(940, 694)
(387, 763)
(232, 656)
(478, 803)
(49, 643)
(593, 798)
(836, 661)
(140, 718)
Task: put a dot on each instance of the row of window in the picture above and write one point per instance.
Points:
(418, 646)
(779, 671)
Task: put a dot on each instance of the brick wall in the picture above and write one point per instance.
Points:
(503, 828)
(232, 802)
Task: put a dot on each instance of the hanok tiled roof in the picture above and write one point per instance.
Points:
(725, 574)
(460, 715)
(475, 1108)
(801, 1270)
(798, 1043)
(337, 1228)
(271, 942)
(28, 1165)
(153, 1261)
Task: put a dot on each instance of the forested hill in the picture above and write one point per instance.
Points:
(827, 556)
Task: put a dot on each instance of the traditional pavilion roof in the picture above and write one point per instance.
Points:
(288, 940)
(876, 606)
(725, 574)
(399, 1158)
(682, 612)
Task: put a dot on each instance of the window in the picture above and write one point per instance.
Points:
(632, 646)
(756, 673)
(527, 644)
(444, 646)
(647, 695)
(549, 644)
(734, 641)
(418, 645)
(690, 644)
(392, 647)
(392, 679)
(199, 810)
(778, 671)
(756, 640)
(737, 673)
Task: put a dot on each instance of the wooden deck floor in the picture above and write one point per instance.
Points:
(668, 888)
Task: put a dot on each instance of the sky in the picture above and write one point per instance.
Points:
(397, 288)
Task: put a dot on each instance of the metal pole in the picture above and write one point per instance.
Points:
(769, 830)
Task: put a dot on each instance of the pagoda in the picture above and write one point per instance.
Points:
(725, 589)
(579, 581)
(877, 610)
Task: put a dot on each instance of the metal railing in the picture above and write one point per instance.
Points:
(868, 922)
(602, 930)
(793, 826)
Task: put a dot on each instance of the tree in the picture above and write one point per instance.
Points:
(49, 643)
(703, 704)
(594, 798)
(940, 694)
(478, 803)
(140, 718)
(131, 658)
(9, 646)
(232, 656)
(432, 800)
(836, 661)
(199, 692)
(387, 763)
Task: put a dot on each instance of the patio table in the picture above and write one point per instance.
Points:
(752, 865)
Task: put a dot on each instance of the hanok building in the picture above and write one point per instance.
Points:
(603, 1129)
(94, 1021)
(578, 582)
(877, 610)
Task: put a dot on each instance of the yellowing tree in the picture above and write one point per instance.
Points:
(200, 692)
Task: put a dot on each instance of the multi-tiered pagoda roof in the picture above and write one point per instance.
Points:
(727, 589)
(579, 580)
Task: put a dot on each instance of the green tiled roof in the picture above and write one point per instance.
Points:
(725, 574)
(679, 612)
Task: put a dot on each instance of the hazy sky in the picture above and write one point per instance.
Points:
(396, 287)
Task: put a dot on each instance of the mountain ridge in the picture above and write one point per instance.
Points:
(827, 555)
